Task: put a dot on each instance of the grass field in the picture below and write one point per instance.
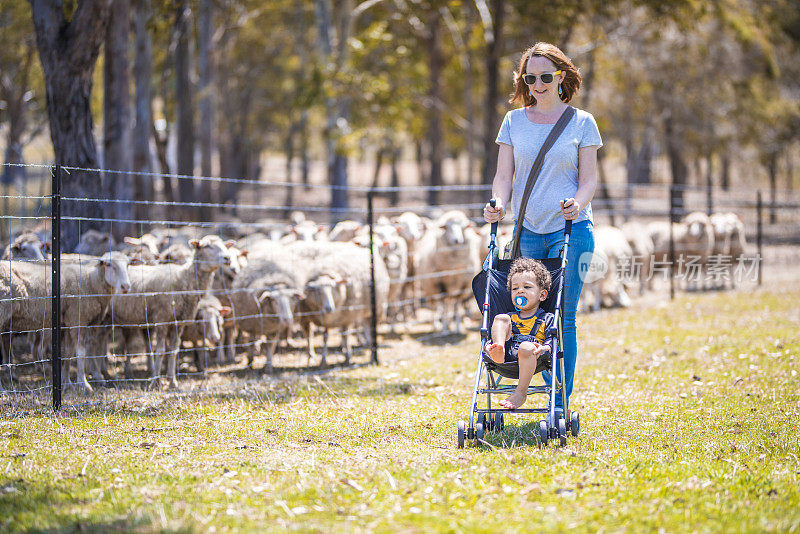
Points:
(689, 423)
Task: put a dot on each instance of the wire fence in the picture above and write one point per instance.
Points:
(106, 300)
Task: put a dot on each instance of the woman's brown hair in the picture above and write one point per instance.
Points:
(570, 85)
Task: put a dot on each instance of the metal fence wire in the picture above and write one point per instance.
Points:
(111, 300)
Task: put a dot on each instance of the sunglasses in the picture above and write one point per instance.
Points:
(547, 77)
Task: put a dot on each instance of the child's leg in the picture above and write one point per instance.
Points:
(527, 367)
(501, 331)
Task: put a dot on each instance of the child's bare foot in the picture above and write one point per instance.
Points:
(496, 352)
(514, 401)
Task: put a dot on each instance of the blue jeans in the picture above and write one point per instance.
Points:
(581, 241)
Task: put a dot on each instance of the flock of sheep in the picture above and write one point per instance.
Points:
(706, 249)
(146, 299)
(152, 297)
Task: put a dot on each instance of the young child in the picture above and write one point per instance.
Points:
(528, 328)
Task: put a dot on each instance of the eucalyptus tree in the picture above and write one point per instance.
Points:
(69, 39)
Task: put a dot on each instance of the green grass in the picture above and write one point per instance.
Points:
(689, 423)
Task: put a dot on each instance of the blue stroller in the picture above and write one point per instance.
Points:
(492, 295)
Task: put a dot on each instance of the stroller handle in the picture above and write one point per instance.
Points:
(493, 203)
(568, 227)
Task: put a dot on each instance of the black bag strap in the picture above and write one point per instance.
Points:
(558, 128)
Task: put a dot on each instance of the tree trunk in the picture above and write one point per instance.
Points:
(379, 156)
(304, 148)
(288, 201)
(336, 107)
(677, 166)
(725, 174)
(206, 104)
(117, 135)
(68, 51)
(143, 118)
(709, 185)
(493, 53)
(772, 168)
(435, 130)
(394, 196)
(184, 99)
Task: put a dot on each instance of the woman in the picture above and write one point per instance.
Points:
(544, 83)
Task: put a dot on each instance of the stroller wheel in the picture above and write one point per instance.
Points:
(562, 431)
(575, 424)
(462, 434)
(479, 431)
(497, 422)
(485, 422)
(543, 433)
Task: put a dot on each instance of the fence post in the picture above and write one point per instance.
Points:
(55, 318)
(671, 220)
(759, 232)
(373, 319)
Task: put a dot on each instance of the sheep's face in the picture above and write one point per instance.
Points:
(115, 271)
(280, 303)
(410, 227)
(211, 253)
(28, 249)
(211, 318)
(394, 253)
(308, 231)
(453, 232)
(325, 293)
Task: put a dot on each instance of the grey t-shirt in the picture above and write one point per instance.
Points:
(558, 178)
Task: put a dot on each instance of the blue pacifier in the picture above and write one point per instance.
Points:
(520, 302)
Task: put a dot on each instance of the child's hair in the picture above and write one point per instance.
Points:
(528, 265)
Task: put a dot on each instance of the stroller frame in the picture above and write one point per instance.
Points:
(486, 419)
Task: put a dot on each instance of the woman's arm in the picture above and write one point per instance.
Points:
(501, 186)
(587, 182)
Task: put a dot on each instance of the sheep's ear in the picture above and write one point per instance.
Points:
(244, 252)
(342, 282)
(132, 240)
(264, 296)
(194, 243)
(230, 243)
(225, 310)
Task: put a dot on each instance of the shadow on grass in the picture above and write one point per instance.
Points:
(512, 436)
(47, 508)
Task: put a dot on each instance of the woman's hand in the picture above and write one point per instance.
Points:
(494, 214)
(569, 209)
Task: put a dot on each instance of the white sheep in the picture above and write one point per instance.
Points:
(729, 245)
(347, 265)
(612, 254)
(86, 291)
(206, 328)
(693, 243)
(163, 300)
(26, 246)
(446, 259)
(264, 298)
(95, 243)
